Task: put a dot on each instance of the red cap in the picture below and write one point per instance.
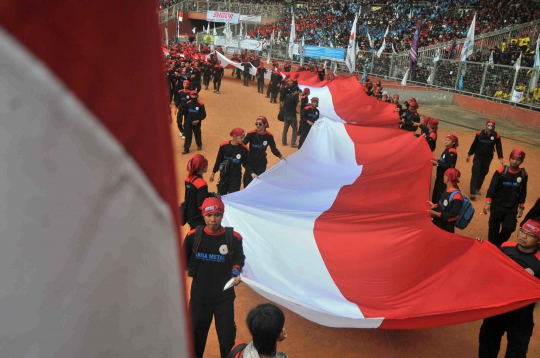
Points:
(396, 96)
(412, 99)
(532, 226)
(434, 124)
(453, 175)
(194, 93)
(454, 139)
(264, 120)
(414, 105)
(306, 91)
(516, 153)
(196, 163)
(315, 99)
(492, 122)
(212, 205)
(426, 119)
(236, 132)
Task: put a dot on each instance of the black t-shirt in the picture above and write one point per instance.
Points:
(237, 154)
(525, 260)
(257, 146)
(508, 190)
(213, 265)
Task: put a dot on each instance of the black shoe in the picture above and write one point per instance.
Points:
(266, 97)
(294, 146)
(472, 197)
(199, 148)
(186, 151)
(478, 192)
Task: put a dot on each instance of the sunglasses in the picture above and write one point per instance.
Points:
(259, 123)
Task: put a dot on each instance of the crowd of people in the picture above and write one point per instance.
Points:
(203, 211)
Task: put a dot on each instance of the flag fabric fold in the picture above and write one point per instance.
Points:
(533, 83)
(292, 37)
(468, 46)
(381, 49)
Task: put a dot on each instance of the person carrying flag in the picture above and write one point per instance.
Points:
(446, 212)
(484, 144)
(448, 160)
(308, 116)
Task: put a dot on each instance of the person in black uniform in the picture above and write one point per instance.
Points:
(208, 70)
(304, 98)
(258, 140)
(180, 101)
(308, 116)
(410, 118)
(505, 199)
(275, 80)
(195, 115)
(446, 211)
(236, 58)
(289, 115)
(287, 66)
(483, 146)
(286, 88)
(218, 75)
(197, 188)
(196, 76)
(518, 324)
(448, 160)
(261, 71)
(237, 154)
(213, 261)
(246, 66)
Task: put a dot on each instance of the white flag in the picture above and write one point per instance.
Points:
(517, 64)
(404, 80)
(272, 38)
(357, 48)
(193, 30)
(335, 69)
(468, 46)
(268, 58)
(393, 49)
(228, 33)
(371, 44)
(279, 35)
(516, 96)
(324, 65)
(490, 61)
(437, 56)
(534, 76)
(379, 53)
(241, 28)
(214, 32)
(350, 57)
(292, 38)
(331, 44)
(410, 15)
(203, 29)
(208, 29)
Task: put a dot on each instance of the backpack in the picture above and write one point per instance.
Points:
(237, 349)
(197, 242)
(466, 214)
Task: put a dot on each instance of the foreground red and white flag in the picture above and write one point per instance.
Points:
(341, 234)
(89, 253)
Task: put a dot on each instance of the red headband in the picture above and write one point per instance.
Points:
(212, 205)
(454, 139)
(236, 132)
(532, 226)
(516, 153)
(264, 120)
(196, 163)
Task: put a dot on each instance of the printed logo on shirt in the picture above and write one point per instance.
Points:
(511, 183)
(265, 143)
(223, 249)
(209, 257)
(238, 156)
(492, 138)
(197, 108)
(518, 179)
(445, 202)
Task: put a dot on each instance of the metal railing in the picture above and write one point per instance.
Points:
(265, 11)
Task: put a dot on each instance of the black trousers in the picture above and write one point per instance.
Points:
(197, 86)
(275, 92)
(304, 131)
(230, 184)
(191, 130)
(206, 79)
(201, 317)
(246, 79)
(438, 188)
(260, 85)
(181, 120)
(269, 89)
(502, 223)
(217, 85)
(480, 168)
(257, 169)
(517, 324)
(445, 225)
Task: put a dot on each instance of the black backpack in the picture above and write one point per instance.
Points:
(505, 171)
(239, 348)
(229, 237)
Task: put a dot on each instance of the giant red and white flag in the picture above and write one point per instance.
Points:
(341, 232)
(89, 253)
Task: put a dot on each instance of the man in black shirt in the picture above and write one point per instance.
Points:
(505, 198)
(308, 116)
(214, 258)
(195, 114)
(290, 103)
(517, 324)
(483, 146)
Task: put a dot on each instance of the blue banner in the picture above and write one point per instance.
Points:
(326, 52)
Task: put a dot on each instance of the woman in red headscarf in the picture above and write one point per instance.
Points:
(447, 210)
(428, 129)
(448, 160)
(196, 190)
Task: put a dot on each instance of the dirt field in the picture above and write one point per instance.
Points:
(239, 106)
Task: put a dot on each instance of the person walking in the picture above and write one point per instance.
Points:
(308, 116)
(232, 155)
(519, 323)
(485, 143)
(196, 190)
(505, 199)
(448, 160)
(215, 255)
(196, 113)
(258, 141)
(290, 102)
(261, 71)
(180, 101)
(446, 212)
(218, 75)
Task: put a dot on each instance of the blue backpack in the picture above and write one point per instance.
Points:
(466, 214)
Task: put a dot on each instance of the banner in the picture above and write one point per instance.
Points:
(250, 18)
(250, 45)
(516, 96)
(324, 52)
(221, 16)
